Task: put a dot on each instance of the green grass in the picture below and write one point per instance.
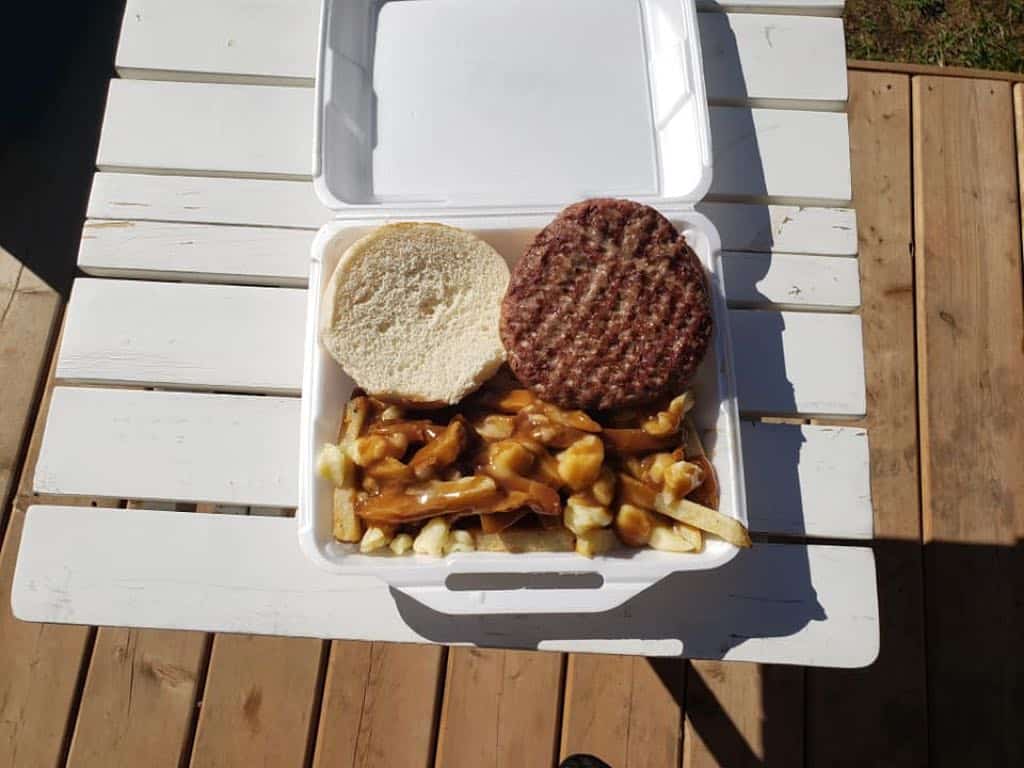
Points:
(985, 34)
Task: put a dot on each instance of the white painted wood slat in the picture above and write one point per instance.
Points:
(250, 339)
(786, 280)
(272, 256)
(254, 130)
(768, 59)
(171, 446)
(202, 252)
(231, 449)
(193, 336)
(782, 603)
(206, 200)
(274, 203)
(786, 155)
(271, 41)
(747, 56)
(798, 362)
(207, 129)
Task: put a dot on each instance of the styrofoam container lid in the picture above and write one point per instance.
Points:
(501, 104)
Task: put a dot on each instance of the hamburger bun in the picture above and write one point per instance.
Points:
(411, 313)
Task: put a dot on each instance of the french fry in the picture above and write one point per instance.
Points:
(432, 538)
(459, 541)
(664, 538)
(690, 534)
(526, 540)
(418, 502)
(596, 542)
(401, 544)
(376, 537)
(632, 491)
(347, 525)
(705, 518)
(441, 451)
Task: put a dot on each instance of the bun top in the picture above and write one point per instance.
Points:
(411, 313)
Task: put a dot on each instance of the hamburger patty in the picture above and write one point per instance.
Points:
(607, 308)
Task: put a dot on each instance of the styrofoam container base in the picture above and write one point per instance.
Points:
(501, 581)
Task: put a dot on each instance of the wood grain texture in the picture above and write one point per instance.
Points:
(970, 325)
(274, 43)
(259, 700)
(28, 313)
(139, 698)
(625, 710)
(200, 252)
(264, 131)
(886, 704)
(275, 203)
(500, 709)
(1018, 113)
(784, 603)
(743, 716)
(380, 706)
(239, 450)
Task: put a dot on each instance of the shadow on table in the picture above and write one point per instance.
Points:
(55, 65)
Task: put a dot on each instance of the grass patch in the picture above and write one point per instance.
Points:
(985, 34)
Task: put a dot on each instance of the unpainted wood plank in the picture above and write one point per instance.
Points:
(380, 705)
(627, 710)
(743, 715)
(970, 323)
(139, 699)
(28, 313)
(260, 697)
(886, 704)
(784, 603)
(500, 709)
(932, 70)
(1018, 112)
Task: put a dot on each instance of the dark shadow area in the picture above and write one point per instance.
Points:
(55, 63)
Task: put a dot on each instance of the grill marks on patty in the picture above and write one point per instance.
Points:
(607, 308)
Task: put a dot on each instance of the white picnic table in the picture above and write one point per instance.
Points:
(179, 371)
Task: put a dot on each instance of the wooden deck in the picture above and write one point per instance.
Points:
(938, 197)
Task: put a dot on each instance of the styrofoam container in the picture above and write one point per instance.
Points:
(491, 115)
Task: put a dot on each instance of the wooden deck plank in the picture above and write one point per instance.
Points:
(1018, 113)
(970, 326)
(743, 716)
(886, 704)
(259, 702)
(380, 706)
(28, 312)
(500, 709)
(627, 710)
(41, 665)
(139, 698)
